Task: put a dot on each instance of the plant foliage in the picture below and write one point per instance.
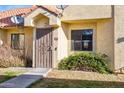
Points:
(85, 61)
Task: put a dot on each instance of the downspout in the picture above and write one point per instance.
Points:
(113, 20)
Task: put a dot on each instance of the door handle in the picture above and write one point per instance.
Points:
(49, 48)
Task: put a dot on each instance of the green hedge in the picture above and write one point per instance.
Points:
(85, 61)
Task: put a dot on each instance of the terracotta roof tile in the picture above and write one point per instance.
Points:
(5, 16)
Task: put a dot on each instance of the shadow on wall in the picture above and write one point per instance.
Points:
(69, 83)
(120, 40)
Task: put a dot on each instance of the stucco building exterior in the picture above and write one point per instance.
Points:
(49, 37)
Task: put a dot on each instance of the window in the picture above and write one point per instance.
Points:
(17, 41)
(82, 40)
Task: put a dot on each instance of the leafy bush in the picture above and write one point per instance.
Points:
(11, 58)
(85, 61)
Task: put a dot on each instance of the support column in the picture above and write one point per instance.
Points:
(34, 40)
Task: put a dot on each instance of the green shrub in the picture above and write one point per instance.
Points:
(85, 61)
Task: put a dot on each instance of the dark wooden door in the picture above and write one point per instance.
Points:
(43, 48)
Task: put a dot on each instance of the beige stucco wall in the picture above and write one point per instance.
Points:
(118, 37)
(105, 39)
(41, 21)
(64, 36)
(63, 31)
(102, 37)
(28, 39)
(80, 12)
(96, 17)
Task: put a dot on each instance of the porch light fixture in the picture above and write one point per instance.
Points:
(1, 42)
(62, 8)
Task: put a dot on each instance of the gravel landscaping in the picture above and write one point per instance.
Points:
(80, 79)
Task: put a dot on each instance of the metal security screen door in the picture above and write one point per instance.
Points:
(43, 48)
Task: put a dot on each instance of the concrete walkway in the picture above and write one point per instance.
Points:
(26, 79)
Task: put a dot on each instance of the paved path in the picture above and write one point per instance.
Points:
(25, 79)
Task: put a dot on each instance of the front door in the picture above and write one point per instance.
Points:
(43, 48)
